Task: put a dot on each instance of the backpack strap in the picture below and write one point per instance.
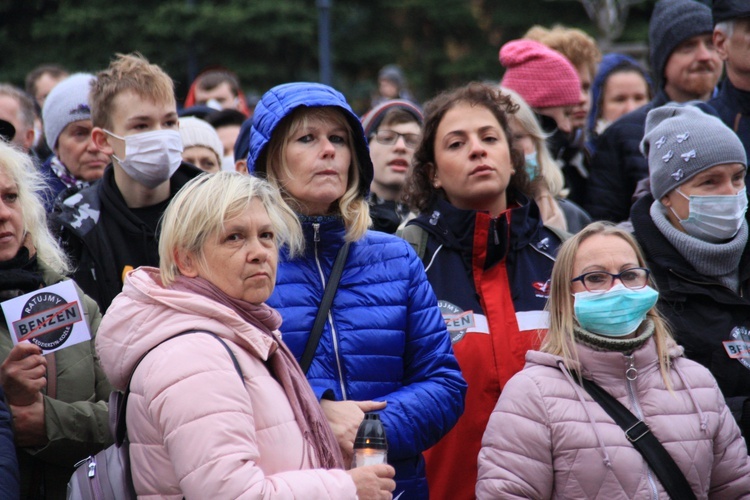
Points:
(417, 238)
(120, 399)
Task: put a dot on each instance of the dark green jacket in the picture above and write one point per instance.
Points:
(76, 420)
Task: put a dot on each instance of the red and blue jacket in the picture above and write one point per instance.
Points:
(491, 278)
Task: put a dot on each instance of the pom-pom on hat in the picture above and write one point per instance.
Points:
(196, 132)
(372, 119)
(67, 103)
(542, 76)
(682, 141)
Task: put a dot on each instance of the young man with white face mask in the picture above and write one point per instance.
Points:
(694, 234)
(111, 227)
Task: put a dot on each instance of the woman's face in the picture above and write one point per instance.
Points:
(11, 219)
(602, 252)
(623, 93)
(318, 156)
(521, 138)
(472, 159)
(241, 260)
(203, 158)
(727, 179)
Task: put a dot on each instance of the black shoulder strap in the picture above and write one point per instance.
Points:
(643, 440)
(121, 400)
(325, 306)
(417, 238)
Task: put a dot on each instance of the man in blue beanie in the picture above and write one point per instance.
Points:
(732, 41)
(685, 67)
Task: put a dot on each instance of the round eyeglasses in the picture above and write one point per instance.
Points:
(389, 137)
(634, 278)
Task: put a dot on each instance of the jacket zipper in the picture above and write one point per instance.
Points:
(631, 373)
(316, 239)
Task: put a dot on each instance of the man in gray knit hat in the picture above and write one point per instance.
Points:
(694, 234)
(686, 67)
(76, 161)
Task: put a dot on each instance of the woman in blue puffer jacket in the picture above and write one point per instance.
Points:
(384, 346)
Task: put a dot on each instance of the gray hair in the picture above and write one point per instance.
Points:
(200, 209)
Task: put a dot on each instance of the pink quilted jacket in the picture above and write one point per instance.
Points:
(195, 430)
(548, 439)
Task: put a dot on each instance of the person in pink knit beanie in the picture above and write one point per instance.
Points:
(543, 77)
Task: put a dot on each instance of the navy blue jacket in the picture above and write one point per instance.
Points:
(733, 107)
(618, 165)
(9, 476)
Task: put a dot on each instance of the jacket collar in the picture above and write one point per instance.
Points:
(737, 96)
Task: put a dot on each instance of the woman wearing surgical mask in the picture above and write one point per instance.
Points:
(547, 181)
(548, 438)
(693, 230)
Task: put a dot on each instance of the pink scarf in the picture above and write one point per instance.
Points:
(283, 367)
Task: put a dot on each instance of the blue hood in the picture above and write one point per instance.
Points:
(280, 101)
(610, 63)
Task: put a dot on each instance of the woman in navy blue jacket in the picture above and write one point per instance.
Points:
(385, 346)
(9, 476)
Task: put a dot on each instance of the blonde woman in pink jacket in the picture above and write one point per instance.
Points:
(198, 430)
(547, 437)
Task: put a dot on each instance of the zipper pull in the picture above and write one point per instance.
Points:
(494, 231)
(92, 468)
(316, 232)
(631, 372)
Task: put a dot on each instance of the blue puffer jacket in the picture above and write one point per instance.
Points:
(385, 338)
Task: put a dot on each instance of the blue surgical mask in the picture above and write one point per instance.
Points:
(714, 218)
(531, 165)
(615, 313)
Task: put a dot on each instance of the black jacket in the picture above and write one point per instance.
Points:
(733, 107)
(703, 314)
(100, 233)
(618, 165)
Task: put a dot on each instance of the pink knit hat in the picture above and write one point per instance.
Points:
(542, 76)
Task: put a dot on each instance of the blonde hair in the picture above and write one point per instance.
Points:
(577, 47)
(131, 72)
(560, 340)
(201, 208)
(548, 167)
(352, 206)
(20, 168)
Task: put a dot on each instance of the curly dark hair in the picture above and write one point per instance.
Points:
(419, 191)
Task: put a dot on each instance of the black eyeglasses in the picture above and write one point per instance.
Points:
(634, 278)
(389, 137)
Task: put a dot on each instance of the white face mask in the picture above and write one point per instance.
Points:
(151, 157)
(227, 163)
(714, 218)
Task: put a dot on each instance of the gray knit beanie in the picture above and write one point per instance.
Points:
(673, 22)
(67, 103)
(682, 141)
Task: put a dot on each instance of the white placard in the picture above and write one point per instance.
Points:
(51, 317)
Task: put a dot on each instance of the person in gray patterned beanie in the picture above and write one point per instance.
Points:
(76, 161)
(694, 233)
(682, 141)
